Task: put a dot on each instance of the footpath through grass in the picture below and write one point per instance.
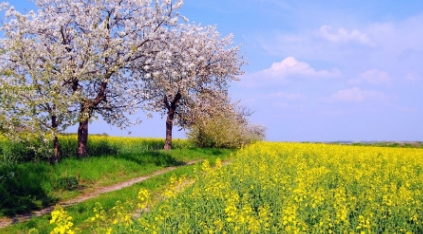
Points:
(27, 185)
(83, 211)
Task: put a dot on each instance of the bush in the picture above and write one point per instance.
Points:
(12, 152)
(229, 129)
(66, 183)
(21, 190)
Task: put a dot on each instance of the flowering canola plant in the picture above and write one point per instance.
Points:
(62, 220)
(298, 188)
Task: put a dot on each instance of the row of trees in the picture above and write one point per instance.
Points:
(77, 60)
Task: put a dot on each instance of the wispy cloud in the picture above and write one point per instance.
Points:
(407, 109)
(412, 77)
(386, 40)
(357, 95)
(374, 77)
(342, 35)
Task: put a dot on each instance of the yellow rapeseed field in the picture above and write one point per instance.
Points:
(296, 188)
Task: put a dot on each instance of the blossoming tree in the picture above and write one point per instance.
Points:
(193, 67)
(78, 56)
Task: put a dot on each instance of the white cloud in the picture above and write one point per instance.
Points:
(291, 67)
(386, 40)
(343, 36)
(357, 95)
(374, 77)
(319, 44)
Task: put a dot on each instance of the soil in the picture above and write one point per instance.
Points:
(85, 195)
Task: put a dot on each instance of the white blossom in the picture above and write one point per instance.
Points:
(80, 59)
(195, 66)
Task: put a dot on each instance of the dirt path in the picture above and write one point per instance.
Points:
(4, 222)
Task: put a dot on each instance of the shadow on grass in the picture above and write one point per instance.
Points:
(29, 186)
(212, 151)
(26, 187)
(158, 158)
(22, 190)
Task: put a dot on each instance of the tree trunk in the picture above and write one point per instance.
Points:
(56, 157)
(82, 138)
(201, 141)
(56, 145)
(171, 108)
(87, 107)
(169, 127)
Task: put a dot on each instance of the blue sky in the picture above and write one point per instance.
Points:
(318, 70)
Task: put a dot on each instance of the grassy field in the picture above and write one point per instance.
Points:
(84, 211)
(30, 185)
(97, 145)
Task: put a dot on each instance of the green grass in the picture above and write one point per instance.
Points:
(33, 185)
(81, 212)
(13, 152)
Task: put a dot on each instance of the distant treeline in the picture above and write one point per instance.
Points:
(394, 144)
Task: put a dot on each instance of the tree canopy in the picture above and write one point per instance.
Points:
(197, 65)
(76, 60)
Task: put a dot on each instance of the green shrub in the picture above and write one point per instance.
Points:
(20, 188)
(66, 183)
(229, 129)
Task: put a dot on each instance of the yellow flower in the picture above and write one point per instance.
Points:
(62, 220)
(143, 198)
(218, 163)
(205, 166)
